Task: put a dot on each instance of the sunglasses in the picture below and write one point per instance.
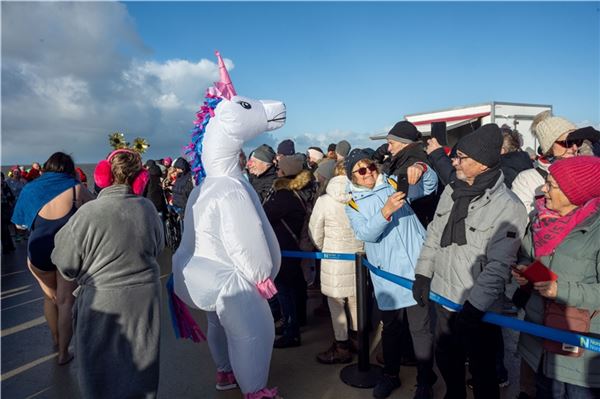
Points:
(569, 143)
(363, 171)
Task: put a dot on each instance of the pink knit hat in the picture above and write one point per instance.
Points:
(578, 178)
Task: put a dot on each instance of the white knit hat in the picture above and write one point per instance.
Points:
(550, 129)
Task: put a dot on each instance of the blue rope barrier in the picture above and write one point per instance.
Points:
(554, 334)
(571, 338)
(318, 255)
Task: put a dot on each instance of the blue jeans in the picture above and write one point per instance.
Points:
(547, 388)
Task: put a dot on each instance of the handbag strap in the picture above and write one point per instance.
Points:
(287, 227)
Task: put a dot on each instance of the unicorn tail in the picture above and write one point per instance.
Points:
(183, 323)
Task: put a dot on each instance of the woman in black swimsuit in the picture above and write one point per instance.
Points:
(48, 203)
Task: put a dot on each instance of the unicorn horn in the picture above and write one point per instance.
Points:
(224, 86)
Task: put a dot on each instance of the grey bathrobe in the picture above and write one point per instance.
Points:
(110, 248)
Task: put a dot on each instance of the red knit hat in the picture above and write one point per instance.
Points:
(578, 178)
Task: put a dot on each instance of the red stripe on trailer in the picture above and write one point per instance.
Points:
(452, 118)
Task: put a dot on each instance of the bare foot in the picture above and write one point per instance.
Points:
(62, 360)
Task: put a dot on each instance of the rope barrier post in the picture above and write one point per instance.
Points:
(362, 374)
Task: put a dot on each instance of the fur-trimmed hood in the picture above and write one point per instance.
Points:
(297, 182)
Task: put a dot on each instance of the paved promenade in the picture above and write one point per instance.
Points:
(29, 368)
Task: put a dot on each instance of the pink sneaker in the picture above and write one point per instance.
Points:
(225, 381)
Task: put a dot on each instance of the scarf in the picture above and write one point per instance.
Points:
(463, 194)
(38, 193)
(550, 229)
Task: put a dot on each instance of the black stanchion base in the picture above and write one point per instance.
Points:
(352, 376)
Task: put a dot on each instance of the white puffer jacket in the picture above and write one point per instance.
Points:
(331, 232)
(528, 186)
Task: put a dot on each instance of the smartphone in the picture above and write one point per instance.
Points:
(402, 184)
(438, 131)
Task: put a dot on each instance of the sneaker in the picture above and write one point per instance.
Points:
(337, 353)
(279, 327)
(225, 381)
(423, 392)
(502, 382)
(386, 386)
(286, 342)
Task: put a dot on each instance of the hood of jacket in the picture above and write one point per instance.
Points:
(336, 188)
(182, 164)
(154, 170)
(297, 182)
(517, 160)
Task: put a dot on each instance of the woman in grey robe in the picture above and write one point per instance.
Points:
(110, 248)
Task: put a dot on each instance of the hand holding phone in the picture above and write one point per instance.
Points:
(402, 184)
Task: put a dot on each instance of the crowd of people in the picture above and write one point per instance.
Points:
(465, 222)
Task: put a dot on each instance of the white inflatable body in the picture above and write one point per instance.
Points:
(228, 245)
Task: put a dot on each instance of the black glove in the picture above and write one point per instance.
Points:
(520, 297)
(420, 289)
(468, 319)
(585, 133)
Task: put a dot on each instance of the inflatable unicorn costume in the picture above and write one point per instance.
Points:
(229, 255)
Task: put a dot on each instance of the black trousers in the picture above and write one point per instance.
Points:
(451, 350)
(420, 331)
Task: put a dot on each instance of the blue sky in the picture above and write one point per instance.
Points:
(344, 70)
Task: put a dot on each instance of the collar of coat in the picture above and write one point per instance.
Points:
(115, 190)
(482, 200)
(297, 182)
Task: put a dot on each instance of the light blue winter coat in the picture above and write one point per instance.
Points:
(394, 245)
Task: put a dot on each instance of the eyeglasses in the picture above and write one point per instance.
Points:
(550, 186)
(459, 159)
(363, 171)
(570, 143)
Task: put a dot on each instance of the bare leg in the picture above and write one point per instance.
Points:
(64, 302)
(47, 281)
(51, 315)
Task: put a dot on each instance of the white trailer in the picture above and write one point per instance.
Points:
(463, 120)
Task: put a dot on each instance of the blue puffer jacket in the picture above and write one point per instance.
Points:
(394, 245)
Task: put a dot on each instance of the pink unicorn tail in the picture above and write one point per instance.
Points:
(183, 323)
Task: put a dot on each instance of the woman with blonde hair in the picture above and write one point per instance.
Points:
(110, 247)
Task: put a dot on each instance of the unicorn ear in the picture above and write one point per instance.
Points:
(224, 87)
(102, 174)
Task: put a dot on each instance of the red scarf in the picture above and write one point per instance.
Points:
(550, 229)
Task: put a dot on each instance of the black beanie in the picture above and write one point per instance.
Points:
(286, 147)
(483, 145)
(356, 155)
(264, 153)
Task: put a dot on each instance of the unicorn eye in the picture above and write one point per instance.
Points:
(245, 104)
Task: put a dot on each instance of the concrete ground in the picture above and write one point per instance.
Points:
(29, 368)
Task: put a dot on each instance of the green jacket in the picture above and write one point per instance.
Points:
(576, 261)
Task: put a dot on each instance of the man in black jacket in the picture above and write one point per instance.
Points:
(262, 170)
(408, 161)
(183, 184)
(154, 191)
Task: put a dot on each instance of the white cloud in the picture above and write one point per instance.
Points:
(71, 81)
